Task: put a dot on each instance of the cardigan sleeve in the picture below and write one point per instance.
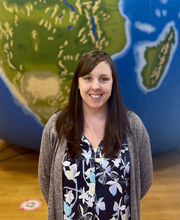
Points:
(45, 158)
(146, 165)
(141, 145)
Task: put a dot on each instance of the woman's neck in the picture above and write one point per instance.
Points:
(94, 114)
(94, 125)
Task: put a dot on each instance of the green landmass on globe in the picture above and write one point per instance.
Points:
(42, 41)
(157, 58)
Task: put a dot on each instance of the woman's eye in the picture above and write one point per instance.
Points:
(87, 78)
(104, 79)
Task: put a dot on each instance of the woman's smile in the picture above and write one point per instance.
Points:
(95, 95)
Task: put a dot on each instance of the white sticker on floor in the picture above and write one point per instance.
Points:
(30, 205)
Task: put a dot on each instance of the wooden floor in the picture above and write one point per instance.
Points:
(18, 182)
(163, 200)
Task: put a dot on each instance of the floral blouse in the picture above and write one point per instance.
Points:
(95, 187)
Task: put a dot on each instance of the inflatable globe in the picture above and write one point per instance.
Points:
(41, 42)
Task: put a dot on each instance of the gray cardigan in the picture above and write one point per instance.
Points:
(50, 166)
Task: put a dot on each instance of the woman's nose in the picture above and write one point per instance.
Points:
(95, 84)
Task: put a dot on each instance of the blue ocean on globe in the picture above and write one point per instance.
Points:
(159, 108)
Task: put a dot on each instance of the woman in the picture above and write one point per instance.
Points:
(95, 157)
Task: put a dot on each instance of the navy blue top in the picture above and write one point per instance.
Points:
(95, 187)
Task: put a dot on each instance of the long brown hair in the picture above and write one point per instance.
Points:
(70, 121)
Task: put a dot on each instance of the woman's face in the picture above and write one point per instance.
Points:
(95, 87)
